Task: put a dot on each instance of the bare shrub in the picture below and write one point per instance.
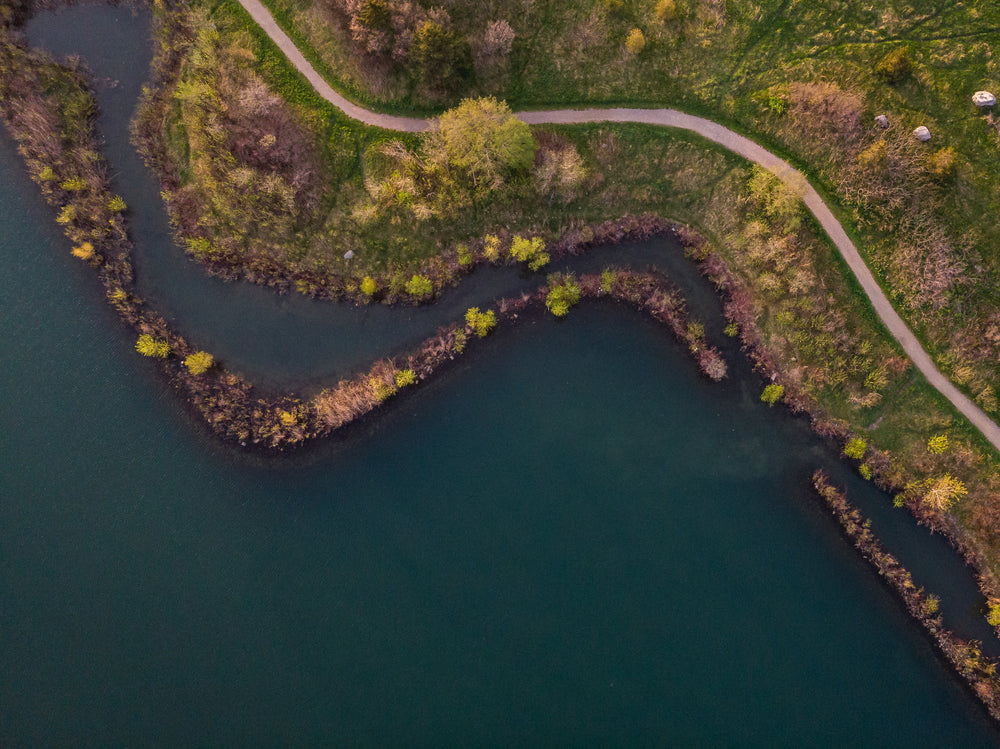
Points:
(827, 118)
(559, 170)
(493, 49)
(924, 266)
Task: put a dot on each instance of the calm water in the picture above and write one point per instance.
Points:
(568, 538)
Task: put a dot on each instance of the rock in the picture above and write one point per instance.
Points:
(922, 134)
(349, 254)
(984, 99)
(882, 121)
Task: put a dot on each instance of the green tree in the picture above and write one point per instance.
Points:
(405, 377)
(483, 141)
(855, 448)
(156, 348)
(440, 57)
(937, 444)
(199, 362)
(894, 67)
(530, 251)
(368, 286)
(480, 323)
(564, 292)
(419, 286)
(772, 393)
(635, 42)
(942, 492)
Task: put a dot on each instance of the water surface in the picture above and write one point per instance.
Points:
(570, 537)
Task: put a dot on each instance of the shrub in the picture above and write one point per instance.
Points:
(117, 204)
(666, 10)
(993, 616)
(199, 362)
(480, 323)
(635, 42)
(405, 377)
(47, 174)
(419, 286)
(937, 444)
(491, 247)
(772, 393)
(464, 255)
(441, 58)
(153, 347)
(74, 184)
(944, 491)
(609, 278)
(855, 448)
(931, 605)
(530, 251)
(368, 286)
(941, 164)
(894, 67)
(732, 330)
(84, 251)
(875, 157)
(866, 471)
(563, 294)
(380, 389)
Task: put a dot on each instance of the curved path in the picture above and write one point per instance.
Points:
(711, 131)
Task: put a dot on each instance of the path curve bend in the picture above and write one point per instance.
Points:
(709, 130)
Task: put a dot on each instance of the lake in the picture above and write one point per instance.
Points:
(570, 537)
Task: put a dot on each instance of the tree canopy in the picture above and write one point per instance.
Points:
(484, 140)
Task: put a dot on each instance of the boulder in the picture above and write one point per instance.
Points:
(922, 134)
(349, 254)
(882, 121)
(984, 99)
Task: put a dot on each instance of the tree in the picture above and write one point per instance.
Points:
(772, 393)
(441, 58)
(405, 377)
(894, 67)
(152, 347)
(480, 323)
(855, 448)
(937, 444)
(942, 492)
(419, 286)
(563, 294)
(483, 141)
(199, 362)
(635, 42)
(530, 251)
(368, 286)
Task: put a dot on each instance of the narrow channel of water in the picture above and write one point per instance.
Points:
(568, 538)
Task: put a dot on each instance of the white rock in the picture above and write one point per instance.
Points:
(882, 121)
(349, 254)
(922, 133)
(984, 99)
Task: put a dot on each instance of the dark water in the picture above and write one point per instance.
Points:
(569, 538)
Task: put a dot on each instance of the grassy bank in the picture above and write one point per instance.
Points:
(806, 80)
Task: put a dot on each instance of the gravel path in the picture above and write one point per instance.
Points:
(706, 129)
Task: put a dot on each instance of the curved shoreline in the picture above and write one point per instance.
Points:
(713, 131)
